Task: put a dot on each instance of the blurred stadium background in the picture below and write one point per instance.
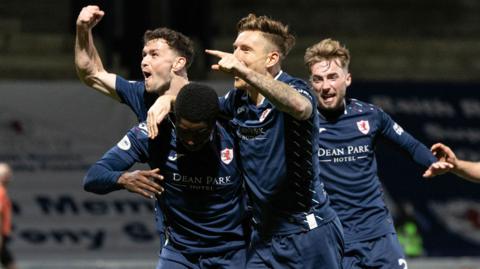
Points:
(418, 60)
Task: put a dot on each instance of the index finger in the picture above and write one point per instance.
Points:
(437, 146)
(155, 173)
(443, 149)
(219, 54)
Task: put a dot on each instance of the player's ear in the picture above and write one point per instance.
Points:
(179, 64)
(272, 58)
(348, 79)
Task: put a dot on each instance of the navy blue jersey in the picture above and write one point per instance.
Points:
(203, 200)
(349, 168)
(278, 156)
(134, 95)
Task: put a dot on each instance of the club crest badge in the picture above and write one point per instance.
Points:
(226, 155)
(398, 129)
(124, 144)
(363, 126)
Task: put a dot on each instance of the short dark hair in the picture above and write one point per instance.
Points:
(197, 103)
(176, 40)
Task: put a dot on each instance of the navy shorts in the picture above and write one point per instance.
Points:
(171, 258)
(381, 252)
(319, 248)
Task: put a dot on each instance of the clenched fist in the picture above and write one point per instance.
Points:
(89, 17)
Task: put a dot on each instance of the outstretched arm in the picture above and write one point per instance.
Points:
(87, 61)
(437, 168)
(108, 174)
(284, 97)
(396, 134)
(464, 169)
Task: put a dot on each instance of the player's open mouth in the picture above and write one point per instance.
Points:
(328, 97)
(146, 74)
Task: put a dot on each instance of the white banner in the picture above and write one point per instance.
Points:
(50, 133)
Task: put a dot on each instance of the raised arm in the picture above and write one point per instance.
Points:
(87, 60)
(282, 95)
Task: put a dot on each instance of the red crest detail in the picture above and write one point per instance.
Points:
(363, 126)
(226, 155)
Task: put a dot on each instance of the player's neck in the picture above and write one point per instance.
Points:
(255, 97)
(332, 114)
(176, 84)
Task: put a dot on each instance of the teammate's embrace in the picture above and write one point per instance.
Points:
(167, 54)
(275, 118)
(202, 189)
